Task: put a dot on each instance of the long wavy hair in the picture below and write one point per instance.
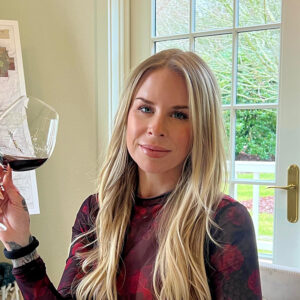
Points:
(186, 219)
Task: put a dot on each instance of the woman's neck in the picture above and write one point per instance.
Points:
(152, 184)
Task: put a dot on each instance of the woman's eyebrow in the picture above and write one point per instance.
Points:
(151, 103)
(144, 100)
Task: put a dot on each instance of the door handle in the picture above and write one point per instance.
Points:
(292, 193)
(288, 187)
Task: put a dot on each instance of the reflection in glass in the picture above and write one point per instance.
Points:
(213, 14)
(217, 52)
(255, 138)
(182, 44)
(258, 67)
(259, 12)
(172, 17)
(260, 203)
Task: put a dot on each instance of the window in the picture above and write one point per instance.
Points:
(240, 40)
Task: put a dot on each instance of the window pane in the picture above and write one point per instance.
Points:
(257, 170)
(255, 138)
(258, 67)
(259, 12)
(217, 52)
(214, 14)
(172, 17)
(260, 203)
(182, 44)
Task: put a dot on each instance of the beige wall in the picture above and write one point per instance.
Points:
(62, 57)
(140, 32)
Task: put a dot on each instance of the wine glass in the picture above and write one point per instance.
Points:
(28, 129)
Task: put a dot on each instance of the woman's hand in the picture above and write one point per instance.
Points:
(13, 213)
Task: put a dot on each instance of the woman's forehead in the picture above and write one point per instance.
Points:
(162, 84)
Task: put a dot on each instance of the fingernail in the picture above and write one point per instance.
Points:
(2, 227)
(1, 196)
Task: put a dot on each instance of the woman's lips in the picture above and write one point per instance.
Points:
(154, 151)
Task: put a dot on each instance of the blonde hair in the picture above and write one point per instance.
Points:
(187, 216)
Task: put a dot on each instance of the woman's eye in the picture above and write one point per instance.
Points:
(179, 115)
(145, 109)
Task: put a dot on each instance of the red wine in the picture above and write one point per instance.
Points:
(19, 163)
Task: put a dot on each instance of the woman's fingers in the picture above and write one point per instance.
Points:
(2, 198)
(1, 174)
(1, 183)
(7, 178)
(1, 193)
(10, 193)
(8, 185)
(14, 215)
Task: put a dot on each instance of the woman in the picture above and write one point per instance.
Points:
(159, 226)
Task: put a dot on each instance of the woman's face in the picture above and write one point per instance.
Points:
(159, 131)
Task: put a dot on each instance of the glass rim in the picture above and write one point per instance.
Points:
(11, 106)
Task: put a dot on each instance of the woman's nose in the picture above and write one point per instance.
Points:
(157, 126)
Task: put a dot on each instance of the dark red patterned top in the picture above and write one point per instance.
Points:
(232, 270)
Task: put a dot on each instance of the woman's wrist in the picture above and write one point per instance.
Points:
(19, 251)
(25, 259)
(16, 243)
(22, 254)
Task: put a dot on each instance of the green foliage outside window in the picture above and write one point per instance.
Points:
(257, 63)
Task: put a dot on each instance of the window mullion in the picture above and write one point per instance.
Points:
(153, 26)
(233, 93)
(236, 13)
(192, 24)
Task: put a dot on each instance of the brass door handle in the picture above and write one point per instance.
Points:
(292, 193)
(288, 187)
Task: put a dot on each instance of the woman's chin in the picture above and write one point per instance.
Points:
(151, 169)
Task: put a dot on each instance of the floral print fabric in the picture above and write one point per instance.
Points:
(232, 269)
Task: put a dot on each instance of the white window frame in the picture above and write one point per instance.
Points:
(147, 37)
(233, 106)
(112, 61)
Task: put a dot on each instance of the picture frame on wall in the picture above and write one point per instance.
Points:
(12, 86)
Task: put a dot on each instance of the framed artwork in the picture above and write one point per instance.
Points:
(12, 86)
